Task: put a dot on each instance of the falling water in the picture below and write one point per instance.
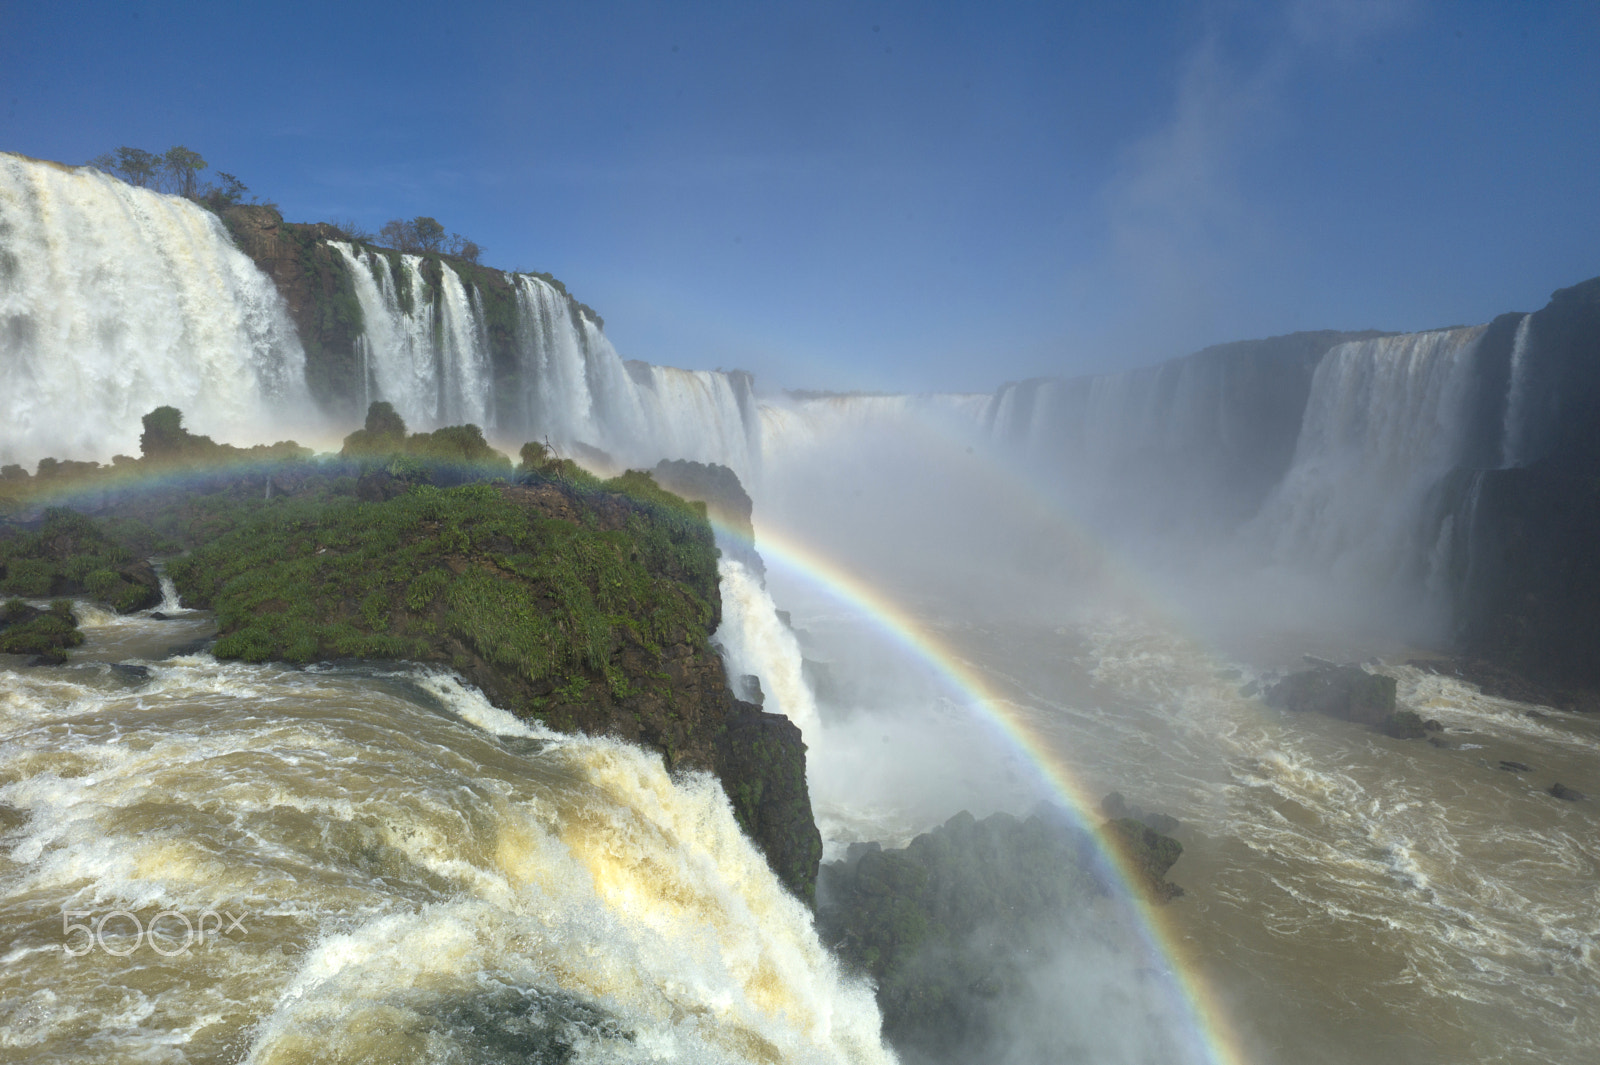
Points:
(756, 642)
(1385, 421)
(115, 300)
(416, 876)
(427, 351)
(1512, 442)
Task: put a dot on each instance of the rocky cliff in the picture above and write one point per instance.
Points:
(1527, 567)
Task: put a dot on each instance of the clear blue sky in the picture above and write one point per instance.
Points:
(891, 196)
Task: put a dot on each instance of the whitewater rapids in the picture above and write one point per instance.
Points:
(419, 876)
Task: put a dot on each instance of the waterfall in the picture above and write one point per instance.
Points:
(1385, 422)
(427, 350)
(115, 300)
(574, 388)
(1513, 441)
(756, 642)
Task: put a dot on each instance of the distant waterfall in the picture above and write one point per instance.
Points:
(1385, 422)
(427, 356)
(1513, 434)
(574, 388)
(556, 377)
(115, 300)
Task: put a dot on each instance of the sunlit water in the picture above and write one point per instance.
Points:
(1353, 898)
(384, 868)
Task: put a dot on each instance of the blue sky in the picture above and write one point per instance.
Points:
(891, 196)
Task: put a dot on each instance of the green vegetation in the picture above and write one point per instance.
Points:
(549, 599)
(422, 235)
(177, 170)
(26, 630)
(70, 554)
(421, 457)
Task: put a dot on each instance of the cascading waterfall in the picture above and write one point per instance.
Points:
(755, 642)
(1385, 421)
(574, 388)
(115, 300)
(426, 353)
(417, 875)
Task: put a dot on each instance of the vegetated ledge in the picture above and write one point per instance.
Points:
(585, 605)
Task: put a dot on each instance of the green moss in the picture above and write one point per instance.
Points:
(70, 554)
(550, 600)
(26, 630)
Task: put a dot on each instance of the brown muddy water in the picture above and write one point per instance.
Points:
(1352, 898)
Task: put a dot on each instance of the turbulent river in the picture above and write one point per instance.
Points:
(373, 865)
(1351, 898)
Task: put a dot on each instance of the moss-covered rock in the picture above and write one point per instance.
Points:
(1148, 852)
(68, 554)
(761, 761)
(44, 634)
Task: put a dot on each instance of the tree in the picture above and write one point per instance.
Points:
(133, 165)
(163, 434)
(461, 246)
(383, 419)
(399, 235)
(429, 233)
(182, 168)
(225, 192)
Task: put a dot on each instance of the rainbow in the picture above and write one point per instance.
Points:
(1189, 992)
(1194, 999)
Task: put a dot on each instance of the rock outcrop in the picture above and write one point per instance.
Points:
(945, 927)
(1349, 693)
(1526, 566)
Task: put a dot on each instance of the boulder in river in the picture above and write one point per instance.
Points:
(1346, 692)
(1564, 793)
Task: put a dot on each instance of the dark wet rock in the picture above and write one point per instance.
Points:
(1149, 852)
(1405, 725)
(748, 688)
(761, 761)
(1564, 793)
(379, 486)
(1530, 606)
(1536, 715)
(727, 504)
(131, 671)
(1346, 692)
(156, 615)
(1433, 725)
(1514, 767)
(49, 658)
(1249, 691)
(1115, 807)
(946, 926)
(1446, 745)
